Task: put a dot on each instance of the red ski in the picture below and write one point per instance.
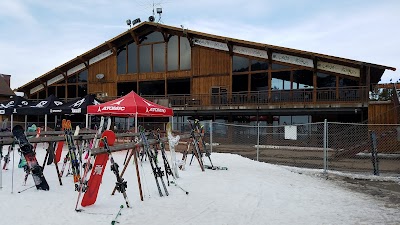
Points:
(93, 186)
(59, 149)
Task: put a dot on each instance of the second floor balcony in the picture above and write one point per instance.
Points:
(326, 97)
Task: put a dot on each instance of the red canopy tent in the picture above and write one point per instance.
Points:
(130, 105)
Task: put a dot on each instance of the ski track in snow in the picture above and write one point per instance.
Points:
(249, 192)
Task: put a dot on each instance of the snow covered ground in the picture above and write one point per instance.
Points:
(248, 193)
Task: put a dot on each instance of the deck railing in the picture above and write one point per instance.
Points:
(303, 96)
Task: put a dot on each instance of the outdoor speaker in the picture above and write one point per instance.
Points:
(151, 18)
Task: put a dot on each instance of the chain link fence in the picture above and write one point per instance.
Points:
(345, 147)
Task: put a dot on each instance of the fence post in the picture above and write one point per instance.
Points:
(211, 136)
(258, 139)
(325, 145)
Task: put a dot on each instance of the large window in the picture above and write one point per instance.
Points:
(240, 64)
(152, 88)
(125, 87)
(145, 58)
(281, 80)
(325, 80)
(258, 65)
(121, 60)
(185, 54)
(178, 86)
(259, 82)
(173, 54)
(240, 83)
(132, 58)
(159, 57)
(302, 79)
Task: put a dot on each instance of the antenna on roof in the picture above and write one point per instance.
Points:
(159, 12)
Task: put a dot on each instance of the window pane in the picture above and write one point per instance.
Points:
(121, 60)
(325, 80)
(125, 87)
(344, 82)
(281, 80)
(71, 91)
(132, 58)
(302, 79)
(82, 90)
(240, 64)
(145, 58)
(51, 90)
(258, 65)
(173, 54)
(279, 66)
(186, 54)
(153, 37)
(259, 82)
(178, 86)
(239, 83)
(72, 79)
(82, 76)
(152, 88)
(61, 91)
(42, 94)
(159, 57)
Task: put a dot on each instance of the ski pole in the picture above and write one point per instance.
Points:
(12, 174)
(26, 189)
(119, 213)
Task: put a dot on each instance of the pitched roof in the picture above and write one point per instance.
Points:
(147, 27)
(5, 89)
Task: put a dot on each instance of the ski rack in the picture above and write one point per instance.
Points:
(6, 140)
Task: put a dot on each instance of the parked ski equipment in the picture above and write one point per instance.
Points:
(93, 185)
(87, 166)
(196, 148)
(27, 150)
(121, 185)
(72, 152)
(157, 172)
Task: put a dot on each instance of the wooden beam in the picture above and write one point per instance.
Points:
(230, 47)
(315, 60)
(84, 61)
(112, 47)
(134, 36)
(269, 52)
(64, 73)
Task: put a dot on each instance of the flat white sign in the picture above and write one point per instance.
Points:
(293, 60)
(210, 44)
(346, 70)
(250, 51)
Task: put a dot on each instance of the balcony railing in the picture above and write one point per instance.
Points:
(278, 97)
(298, 96)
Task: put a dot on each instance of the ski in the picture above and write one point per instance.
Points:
(30, 156)
(93, 185)
(196, 148)
(157, 172)
(108, 139)
(216, 167)
(72, 152)
(87, 166)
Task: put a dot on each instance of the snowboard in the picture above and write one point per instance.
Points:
(30, 156)
(93, 186)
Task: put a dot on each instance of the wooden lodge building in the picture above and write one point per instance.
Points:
(212, 77)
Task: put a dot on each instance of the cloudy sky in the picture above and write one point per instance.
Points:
(39, 35)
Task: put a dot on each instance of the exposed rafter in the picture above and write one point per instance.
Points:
(112, 47)
(230, 46)
(62, 72)
(134, 36)
(84, 61)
